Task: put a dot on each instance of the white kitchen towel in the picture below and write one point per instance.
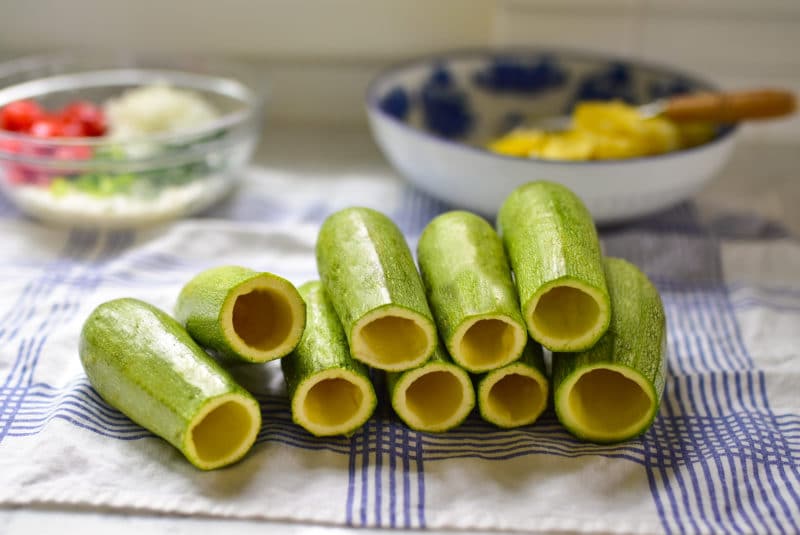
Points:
(722, 456)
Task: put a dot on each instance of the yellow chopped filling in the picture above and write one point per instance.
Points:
(604, 131)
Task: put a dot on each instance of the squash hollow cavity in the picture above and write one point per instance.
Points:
(332, 402)
(434, 398)
(223, 434)
(565, 317)
(489, 343)
(605, 404)
(262, 319)
(515, 400)
(392, 340)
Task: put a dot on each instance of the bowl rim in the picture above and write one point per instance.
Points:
(372, 106)
(124, 77)
(254, 94)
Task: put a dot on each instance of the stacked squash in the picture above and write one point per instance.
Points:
(477, 323)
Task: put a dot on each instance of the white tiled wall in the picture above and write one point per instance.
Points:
(319, 54)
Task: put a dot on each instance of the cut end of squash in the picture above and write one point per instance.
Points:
(434, 398)
(393, 339)
(568, 316)
(513, 396)
(606, 403)
(334, 402)
(487, 343)
(263, 318)
(223, 431)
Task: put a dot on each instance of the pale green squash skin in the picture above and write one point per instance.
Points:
(550, 237)
(200, 303)
(323, 347)
(143, 362)
(636, 338)
(365, 264)
(466, 275)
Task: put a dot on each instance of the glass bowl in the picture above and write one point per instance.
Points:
(103, 182)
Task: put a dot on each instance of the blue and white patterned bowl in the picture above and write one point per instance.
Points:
(431, 117)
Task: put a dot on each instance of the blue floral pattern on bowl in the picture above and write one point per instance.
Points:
(445, 105)
(474, 99)
(521, 75)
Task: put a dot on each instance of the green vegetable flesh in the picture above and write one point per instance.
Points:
(434, 397)
(104, 182)
(612, 391)
(145, 364)
(555, 254)
(516, 394)
(242, 314)
(330, 392)
(369, 274)
(469, 287)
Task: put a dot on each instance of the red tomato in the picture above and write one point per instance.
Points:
(46, 127)
(72, 129)
(88, 115)
(20, 115)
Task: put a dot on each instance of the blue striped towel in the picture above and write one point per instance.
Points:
(722, 457)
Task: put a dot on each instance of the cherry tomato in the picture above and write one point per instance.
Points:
(72, 129)
(19, 116)
(46, 127)
(88, 115)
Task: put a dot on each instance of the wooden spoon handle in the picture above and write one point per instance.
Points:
(730, 107)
